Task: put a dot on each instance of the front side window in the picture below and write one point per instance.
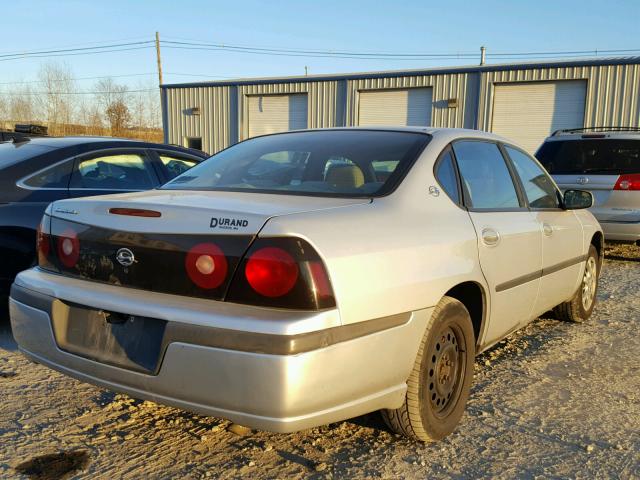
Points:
(127, 171)
(325, 163)
(56, 176)
(538, 186)
(486, 180)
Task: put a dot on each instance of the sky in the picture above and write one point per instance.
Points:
(360, 26)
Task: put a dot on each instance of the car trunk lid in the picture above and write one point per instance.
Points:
(186, 243)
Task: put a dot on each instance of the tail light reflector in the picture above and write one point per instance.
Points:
(68, 248)
(271, 271)
(628, 182)
(206, 265)
(43, 242)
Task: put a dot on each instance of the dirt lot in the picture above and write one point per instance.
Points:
(554, 400)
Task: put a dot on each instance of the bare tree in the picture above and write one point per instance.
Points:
(119, 117)
(112, 99)
(21, 105)
(56, 102)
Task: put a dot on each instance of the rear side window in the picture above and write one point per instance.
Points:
(538, 186)
(114, 172)
(446, 175)
(176, 166)
(53, 177)
(603, 156)
(486, 180)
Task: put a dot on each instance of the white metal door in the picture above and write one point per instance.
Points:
(407, 107)
(529, 112)
(276, 113)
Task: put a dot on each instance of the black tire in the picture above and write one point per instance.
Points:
(439, 384)
(578, 309)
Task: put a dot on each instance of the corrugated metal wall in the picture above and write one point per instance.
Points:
(445, 87)
(613, 99)
(612, 92)
(213, 124)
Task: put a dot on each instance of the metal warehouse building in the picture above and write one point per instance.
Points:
(525, 102)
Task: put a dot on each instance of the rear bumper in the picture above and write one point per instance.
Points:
(295, 376)
(622, 232)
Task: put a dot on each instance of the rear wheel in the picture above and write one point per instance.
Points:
(439, 384)
(580, 307)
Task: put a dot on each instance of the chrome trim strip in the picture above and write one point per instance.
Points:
(540, 273)
(228, 339)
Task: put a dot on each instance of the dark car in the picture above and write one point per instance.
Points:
(34, 172)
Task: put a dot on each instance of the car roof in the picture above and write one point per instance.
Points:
(60, 142)
(54, 143)
(450, 132)
(595, 133)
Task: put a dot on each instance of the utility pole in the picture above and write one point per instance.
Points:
(306, 71)
(162, 106)
(159, 60)
(483, 52)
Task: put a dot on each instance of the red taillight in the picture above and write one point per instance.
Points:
(68, 248)
(271, 272)
(206, 265)
(282, 272)
(628, 182)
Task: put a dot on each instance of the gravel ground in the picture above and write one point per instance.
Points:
(554, 400)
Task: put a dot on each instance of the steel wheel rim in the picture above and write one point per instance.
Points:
(447, 360)
(589, 283)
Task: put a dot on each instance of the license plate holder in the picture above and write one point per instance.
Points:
(127, 341)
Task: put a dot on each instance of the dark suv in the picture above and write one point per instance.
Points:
(34, 172)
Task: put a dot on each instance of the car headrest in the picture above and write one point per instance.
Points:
(345, 176)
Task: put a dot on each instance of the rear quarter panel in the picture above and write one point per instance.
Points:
(396, 254)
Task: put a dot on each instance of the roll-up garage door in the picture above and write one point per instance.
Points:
(276, 113)
(529, 112)
(410, 106)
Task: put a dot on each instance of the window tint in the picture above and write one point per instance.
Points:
(605, 156)
(176, 166)
(323, 162)
(538, 186)
(485, 176)
(114, 172)
(446, 175)
(53, 177)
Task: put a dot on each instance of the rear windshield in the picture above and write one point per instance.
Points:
(12, 153)
(349, 163)
(606, 156)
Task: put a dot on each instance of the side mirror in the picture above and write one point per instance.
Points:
(577, 199)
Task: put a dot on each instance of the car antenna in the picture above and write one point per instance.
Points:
(21, 140)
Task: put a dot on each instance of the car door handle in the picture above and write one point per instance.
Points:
(547, 229)
(490, 237)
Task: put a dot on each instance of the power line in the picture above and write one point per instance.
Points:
(195, 45)
(83, 93)
(68, 54)
(69, 45)
(78, 78)
(39, 52)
